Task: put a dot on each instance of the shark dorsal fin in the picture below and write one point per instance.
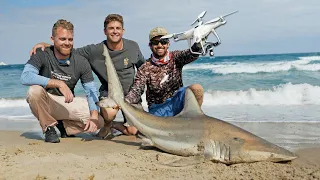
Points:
(191, 106)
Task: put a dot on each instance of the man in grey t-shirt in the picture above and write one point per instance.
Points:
(52, 75)
(125, 54)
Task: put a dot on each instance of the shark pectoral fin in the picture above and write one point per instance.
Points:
(146, 142)
(186, 161)
(191, 105)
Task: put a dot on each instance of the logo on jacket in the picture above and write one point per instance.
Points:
(125, 62)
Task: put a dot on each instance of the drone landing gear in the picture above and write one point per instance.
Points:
(211, 53)
(209, 49)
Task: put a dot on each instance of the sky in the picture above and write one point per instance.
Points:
(260, 26)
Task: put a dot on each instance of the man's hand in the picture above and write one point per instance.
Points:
(63, 88)
(41, 45)
(196, 47)
(91, 125)
(117, 107)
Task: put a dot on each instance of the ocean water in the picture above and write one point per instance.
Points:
(251, 88)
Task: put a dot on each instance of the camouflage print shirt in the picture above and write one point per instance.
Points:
(162, 81)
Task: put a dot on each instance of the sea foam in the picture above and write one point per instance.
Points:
(302, 64)
(285, 94)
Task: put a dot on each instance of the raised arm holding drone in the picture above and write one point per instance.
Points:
(200, 33)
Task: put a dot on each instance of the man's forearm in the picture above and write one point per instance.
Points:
(55, 83)
(184, 57)
(132, 97)
(30, 76)
(92, 95)
(137, 89)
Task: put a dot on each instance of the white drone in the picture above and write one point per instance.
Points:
(200, 33)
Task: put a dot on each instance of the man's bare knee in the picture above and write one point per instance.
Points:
(108, 114)
(198, 92)
(196, 87)
(132, 130)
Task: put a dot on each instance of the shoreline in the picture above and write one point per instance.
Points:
(291, 135)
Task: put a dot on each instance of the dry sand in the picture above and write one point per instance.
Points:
(24, 155)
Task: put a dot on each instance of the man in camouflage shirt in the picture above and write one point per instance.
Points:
(162, 74)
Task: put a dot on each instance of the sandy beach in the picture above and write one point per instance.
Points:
(24, 155)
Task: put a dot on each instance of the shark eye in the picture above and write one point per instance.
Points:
(238, 139)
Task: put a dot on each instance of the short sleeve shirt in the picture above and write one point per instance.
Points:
(124, 60)
(48, 65)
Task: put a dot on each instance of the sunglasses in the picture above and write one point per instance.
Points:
(156, 42)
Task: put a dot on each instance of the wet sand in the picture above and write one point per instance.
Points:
(24, 155)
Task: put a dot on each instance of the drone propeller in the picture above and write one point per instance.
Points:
(173, 35)
(201, 15)
(167, 36)
(220, 17)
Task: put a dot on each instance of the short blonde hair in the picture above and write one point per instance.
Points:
(63, 24)
(113, 17)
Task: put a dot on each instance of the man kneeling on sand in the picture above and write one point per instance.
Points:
(52, 76)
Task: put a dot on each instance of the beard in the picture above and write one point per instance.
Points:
(65, 51)
(160, 54)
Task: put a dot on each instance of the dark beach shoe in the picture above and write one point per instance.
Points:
(51, 135)
(62, 130)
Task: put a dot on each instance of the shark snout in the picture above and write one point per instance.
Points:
(274, 156)
(270, 152)
(256, 156)
(283, 157)
(106, 103)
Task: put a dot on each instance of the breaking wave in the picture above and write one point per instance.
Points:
(308, 63)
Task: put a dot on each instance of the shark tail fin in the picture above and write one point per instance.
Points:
(114, 86)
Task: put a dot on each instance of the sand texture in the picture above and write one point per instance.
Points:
(24, 155)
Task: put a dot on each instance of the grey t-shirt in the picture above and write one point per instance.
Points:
(124, 61)
(49, 66)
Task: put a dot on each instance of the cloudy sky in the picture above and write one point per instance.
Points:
(260, 26)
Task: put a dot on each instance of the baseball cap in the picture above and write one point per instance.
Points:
(157, 31)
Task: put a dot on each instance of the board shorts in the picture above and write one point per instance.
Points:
(171, 107)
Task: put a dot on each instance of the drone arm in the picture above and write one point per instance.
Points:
(219, 41)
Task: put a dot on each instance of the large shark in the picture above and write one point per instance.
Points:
(192, 133)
